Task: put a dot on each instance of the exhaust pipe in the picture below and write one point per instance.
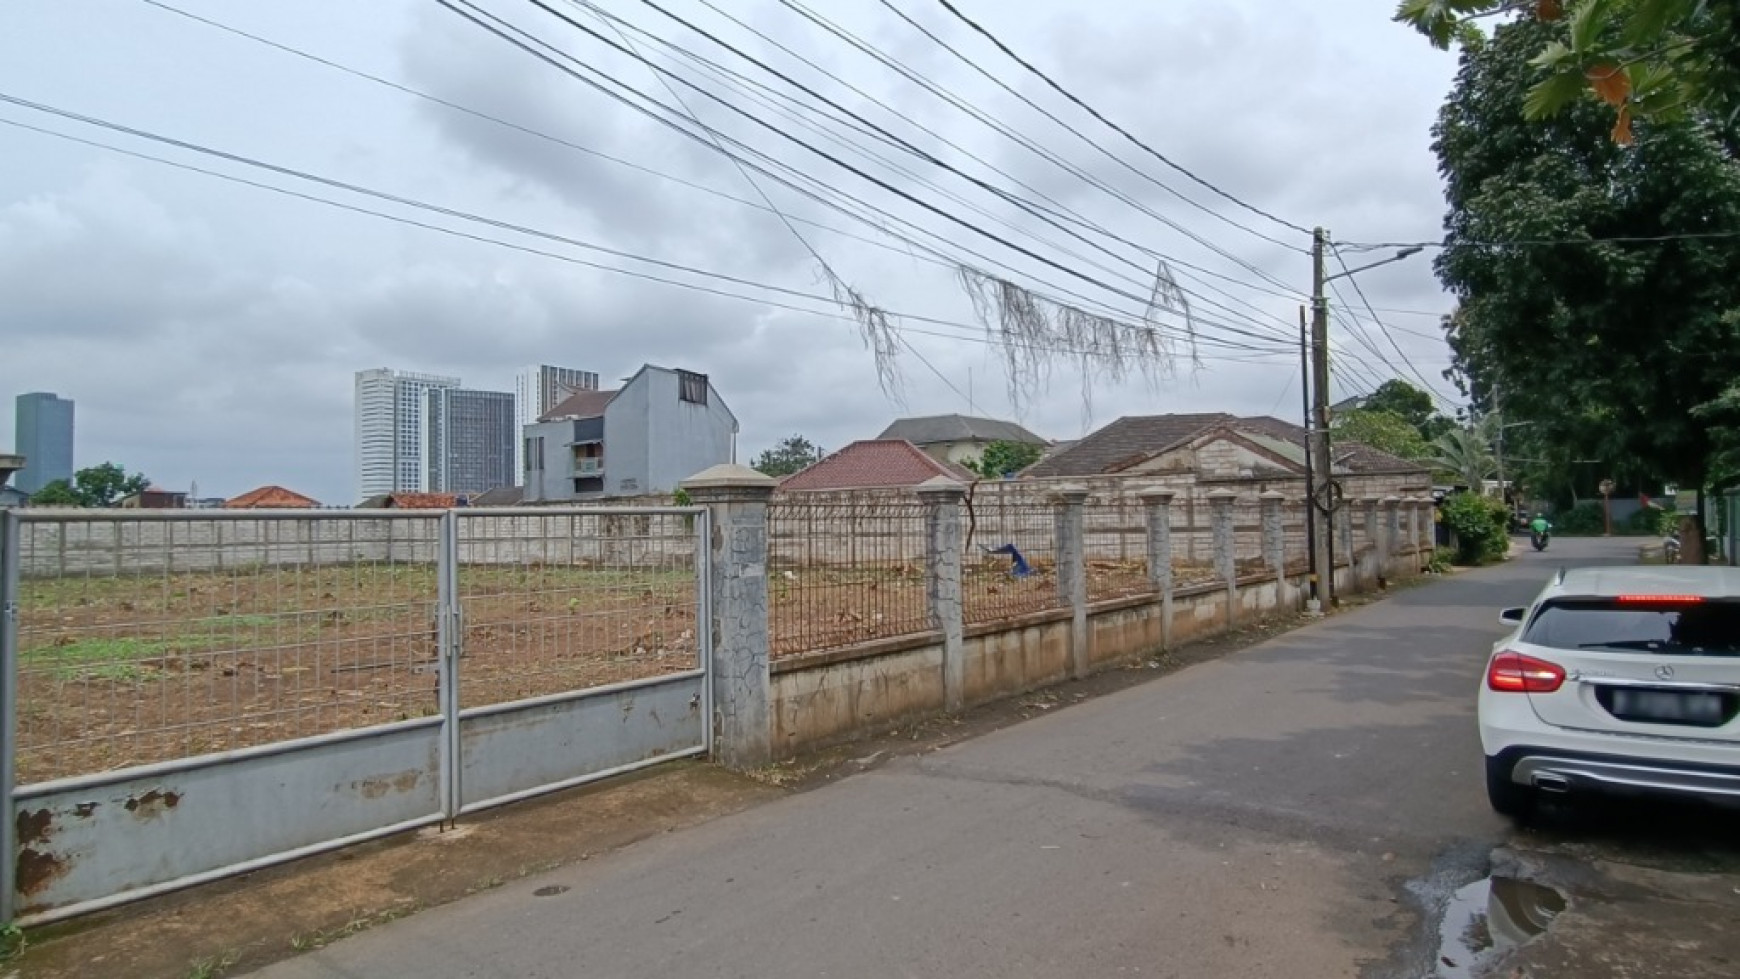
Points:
(1552, 782)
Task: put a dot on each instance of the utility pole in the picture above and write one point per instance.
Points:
(1314, 600)
(1323, 496)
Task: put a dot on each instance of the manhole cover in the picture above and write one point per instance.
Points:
(550, 891)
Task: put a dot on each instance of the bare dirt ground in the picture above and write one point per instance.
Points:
(117, 671)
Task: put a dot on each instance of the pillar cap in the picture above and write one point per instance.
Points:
(1070, 494)
(941, 486)
(730, 478)
(1157, 494)
(1273, 495)
(1392, 501)
(1222, 495)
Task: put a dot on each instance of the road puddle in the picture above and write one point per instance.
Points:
(1489, 917)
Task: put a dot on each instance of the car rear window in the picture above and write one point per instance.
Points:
(1672, 628)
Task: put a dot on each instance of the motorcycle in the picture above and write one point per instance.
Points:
(1670, 550)
(1540, 538)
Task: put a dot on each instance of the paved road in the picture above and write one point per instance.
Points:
(1300, 809)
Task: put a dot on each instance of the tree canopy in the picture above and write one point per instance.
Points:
(1003, 458)
(1645, 59)
(1608, 347)
(95, 486)
(792, 454)
(1411, 404)
(1384, 430)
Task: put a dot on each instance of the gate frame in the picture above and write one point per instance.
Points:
(449, 748)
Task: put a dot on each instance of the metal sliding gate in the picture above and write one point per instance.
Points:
(188, 695)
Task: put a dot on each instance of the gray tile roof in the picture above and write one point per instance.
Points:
(1131, 439)
(933, 429)
(1123, 441)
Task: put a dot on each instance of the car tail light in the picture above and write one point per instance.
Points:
(1515, 673)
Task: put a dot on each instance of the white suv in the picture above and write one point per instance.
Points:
(1623, 680)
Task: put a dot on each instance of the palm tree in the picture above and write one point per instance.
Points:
(1467, 453)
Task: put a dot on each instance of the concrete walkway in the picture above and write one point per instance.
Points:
(1286, 811)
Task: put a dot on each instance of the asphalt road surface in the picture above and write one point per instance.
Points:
(1305, 808)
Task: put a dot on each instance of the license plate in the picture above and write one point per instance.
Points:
(1668, 707)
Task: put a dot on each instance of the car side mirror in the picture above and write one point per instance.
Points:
(1512, 616)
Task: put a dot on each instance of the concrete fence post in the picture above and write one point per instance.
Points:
(942, 501)
(1158, 506)
(742, 689)
(1428, 529)
(1392, 534)
(1072, 571)
(1275, 542)
(1341, 524)
(1220, 504)
(1372, 565)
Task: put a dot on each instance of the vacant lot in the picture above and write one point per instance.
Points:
(126, 670)
(118, 671)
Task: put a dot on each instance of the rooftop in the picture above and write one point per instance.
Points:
(271, 498)
(580, 404)
(873, 464)
(933, 429)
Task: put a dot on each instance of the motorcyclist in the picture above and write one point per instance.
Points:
(1539, 525)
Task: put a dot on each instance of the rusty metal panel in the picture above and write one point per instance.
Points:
(111, 838)
(517, 749)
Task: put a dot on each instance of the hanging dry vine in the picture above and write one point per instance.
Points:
(1034, 332)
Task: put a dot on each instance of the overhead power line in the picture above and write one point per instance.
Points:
(974, 334)
(1019, 139)
(1072, 130)
(526, 41)
(1090, 110)
(1355, 246)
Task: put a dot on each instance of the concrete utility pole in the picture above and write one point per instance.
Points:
(1322, 495)
(1314, 597)
(1325, 498)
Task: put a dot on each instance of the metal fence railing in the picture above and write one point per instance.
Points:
(843, 573)
(1115, 548)
(143, 640)
(562, 602)
(1010, 564)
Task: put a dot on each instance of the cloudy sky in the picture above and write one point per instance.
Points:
(209, 330)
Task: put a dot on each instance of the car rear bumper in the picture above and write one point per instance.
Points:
(1556, 770)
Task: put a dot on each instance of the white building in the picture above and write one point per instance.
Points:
(539, 388)
(389, 429)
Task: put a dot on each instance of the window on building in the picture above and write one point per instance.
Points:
(692, 387)
(534, 454)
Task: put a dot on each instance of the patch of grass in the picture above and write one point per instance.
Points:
(12, 942)
(212, 968)
(309, 941)
(117, 650)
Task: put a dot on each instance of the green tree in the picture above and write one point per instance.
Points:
(1380, 429)
(1412, 403)
(106, 484)
(789, 456)
(1643, 59)
(57, 493)
(1466, 454)
(1606, 348)
(1002, 458)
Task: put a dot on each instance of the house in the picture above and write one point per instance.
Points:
(413, 501)
(661, 427)
(873, 464)
(1213, 446)
(957, 438)
(12, 496)
(500, 496)
(154, 498)
(271, 498)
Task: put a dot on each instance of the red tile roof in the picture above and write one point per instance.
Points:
(580, 404)
(271, 498)
(422, 501)
(874, 463)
